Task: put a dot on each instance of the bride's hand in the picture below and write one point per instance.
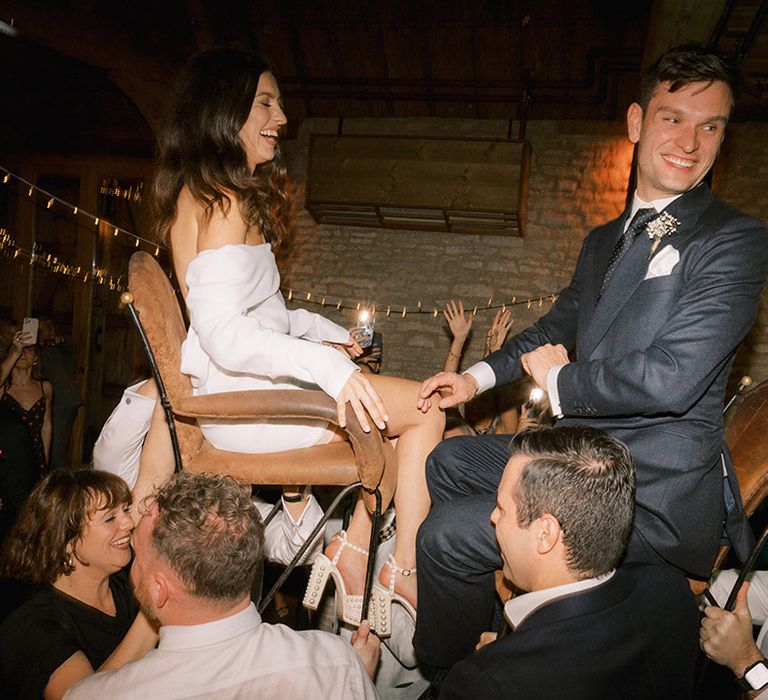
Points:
(361, 395)
(351, 348)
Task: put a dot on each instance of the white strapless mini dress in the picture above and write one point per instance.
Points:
(243, 337)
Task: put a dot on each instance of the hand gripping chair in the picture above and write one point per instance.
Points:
(367, 460)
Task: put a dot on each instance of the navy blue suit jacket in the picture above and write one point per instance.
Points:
(651, 361)
(633, 637)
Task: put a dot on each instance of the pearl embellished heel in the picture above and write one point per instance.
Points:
(349, 608)
(382, 598)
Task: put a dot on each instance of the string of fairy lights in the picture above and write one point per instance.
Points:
(38, 256)
(403, 310)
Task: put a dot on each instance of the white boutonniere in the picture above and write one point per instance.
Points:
(663, 225)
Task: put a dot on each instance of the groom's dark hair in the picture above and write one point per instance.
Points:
(686, 64)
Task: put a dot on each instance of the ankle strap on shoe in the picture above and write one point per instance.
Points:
(394, 569)
(341, 536)
(399, 569)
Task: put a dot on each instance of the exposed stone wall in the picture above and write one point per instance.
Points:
(579, 174)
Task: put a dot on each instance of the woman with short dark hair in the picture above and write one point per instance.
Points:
(72, 539)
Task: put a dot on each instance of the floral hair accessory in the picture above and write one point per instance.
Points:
(663, 225)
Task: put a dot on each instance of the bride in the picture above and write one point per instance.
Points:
(221, 198)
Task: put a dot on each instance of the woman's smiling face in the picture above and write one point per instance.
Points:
(259, 134)
(104, 544)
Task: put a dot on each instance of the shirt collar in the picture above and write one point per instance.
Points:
(520, 607)
(179, 637)
(658, 204)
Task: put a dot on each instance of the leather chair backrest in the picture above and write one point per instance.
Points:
(160, 315)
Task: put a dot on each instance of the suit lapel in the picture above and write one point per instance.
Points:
(634, 265)
(627, 277)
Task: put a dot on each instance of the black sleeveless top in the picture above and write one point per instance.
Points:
(33, 420)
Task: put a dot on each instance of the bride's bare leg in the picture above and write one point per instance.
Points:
(417, 434)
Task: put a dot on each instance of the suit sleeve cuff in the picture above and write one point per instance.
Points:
(483, 374)
(554, 396)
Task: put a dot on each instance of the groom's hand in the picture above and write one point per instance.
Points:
(538, 362)
(454, 389)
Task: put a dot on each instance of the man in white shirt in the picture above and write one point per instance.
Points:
(584, 629)
(639, 344)
(197, 548)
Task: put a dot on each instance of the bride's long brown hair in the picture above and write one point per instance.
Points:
(200, 147)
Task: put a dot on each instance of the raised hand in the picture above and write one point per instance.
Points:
(20, 340)
(459, 324)
(497, 333)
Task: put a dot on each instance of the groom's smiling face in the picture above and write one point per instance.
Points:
(678, 136)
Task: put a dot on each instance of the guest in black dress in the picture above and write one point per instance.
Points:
(72, 539)
(24, 392)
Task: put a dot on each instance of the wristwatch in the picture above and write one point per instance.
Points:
(755, 677)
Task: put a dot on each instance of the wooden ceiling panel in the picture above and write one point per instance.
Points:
(450, 49)
(405, 49)
(361, 52)
(105, 65)
(319, 49)
(498, 54)
(275, 48)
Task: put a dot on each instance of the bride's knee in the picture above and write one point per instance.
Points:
(435, 418)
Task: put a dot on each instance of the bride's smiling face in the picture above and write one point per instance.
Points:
(259, 134)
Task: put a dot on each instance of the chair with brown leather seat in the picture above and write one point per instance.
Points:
(367, 460)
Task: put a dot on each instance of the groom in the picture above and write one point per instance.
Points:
(640, 344)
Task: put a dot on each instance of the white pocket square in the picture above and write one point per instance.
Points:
(662, 264)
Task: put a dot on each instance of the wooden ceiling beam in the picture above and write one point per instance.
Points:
(675, 22)
(142, 73)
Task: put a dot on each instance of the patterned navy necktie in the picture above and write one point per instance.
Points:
(639, 221)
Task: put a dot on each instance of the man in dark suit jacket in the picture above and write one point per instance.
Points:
(653, 316)
(585, 629)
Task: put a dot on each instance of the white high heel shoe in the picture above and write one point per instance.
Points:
(349, 608)
(382, 598)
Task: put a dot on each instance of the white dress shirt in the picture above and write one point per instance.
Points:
(236, 657)
(520, 607)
